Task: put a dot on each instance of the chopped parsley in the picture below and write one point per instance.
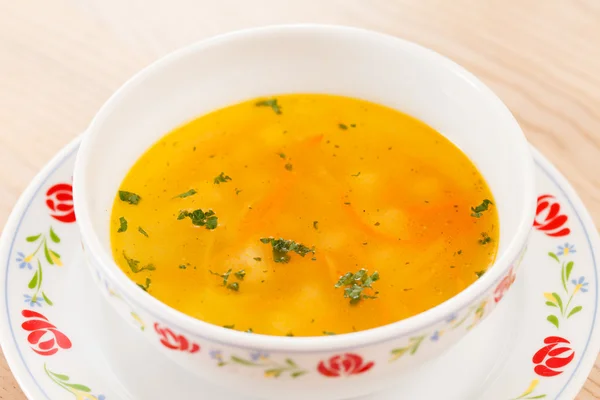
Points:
(240, 274)
(282, 247)
(249, 330)
(329, 333)
(477, 211)
(183, 195)
(206, 219)
(316, 224)
(485, 238)
(142, 231)
(146, 286)
(134, 265)
(343, 126)
(182, 266)
(282, 155)
(229, 326)
(356, 175)
(123, 224)
(237, 191)
(353, 125)
(356, 283)
(270, 103)
(129, 197)
(221, 178)
(479, 273)
(257, 259)
(289, 166)
(232, 285)
(289, 334)
(459, 252)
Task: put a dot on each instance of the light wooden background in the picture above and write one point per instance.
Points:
(61, 59)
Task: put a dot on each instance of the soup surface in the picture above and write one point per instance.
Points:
(304, 215)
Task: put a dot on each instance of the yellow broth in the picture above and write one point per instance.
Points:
(362, 185)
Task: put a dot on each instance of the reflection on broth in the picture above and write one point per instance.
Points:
(304, 215)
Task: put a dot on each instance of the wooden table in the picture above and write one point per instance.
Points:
(61, 59)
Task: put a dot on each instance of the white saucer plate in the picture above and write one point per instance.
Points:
(62, 342)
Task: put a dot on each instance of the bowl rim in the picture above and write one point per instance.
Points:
(207, 331)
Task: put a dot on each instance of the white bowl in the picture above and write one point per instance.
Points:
(315, 59)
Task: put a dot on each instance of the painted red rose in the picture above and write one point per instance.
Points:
(44, 338)
(504, 285)
(548, 218)
(173, 341)
(344, 365)
(547, 360)
(59, 200)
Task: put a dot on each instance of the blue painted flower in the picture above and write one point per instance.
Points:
(451, 318)
(33, 301)
(435, 337)
(23, 261)
(216, 355)
(566, 249)
(101, 397)
(580, 284)
(258, 355)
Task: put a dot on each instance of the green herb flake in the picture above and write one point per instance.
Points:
(289, 334)
(225, 276)
(237, 191)
(356, 283)
(329, 333)
(123, 224)
(270, 103)
(240, 274)
(221, 178)
(353, 125)
(477, 211)
(479, 273)
(459, 252)
(146, 286)
(183, 195)
(343, 126)
(229, 326)
(281, 248)
(485, 239)
(234, 286)
(316, 224)
(129, 197)
(142, 231)
(134, 265)
(282, 155)
(356, 175)
(289, 166)
(249, 330)
(206, 219)
(257, 259)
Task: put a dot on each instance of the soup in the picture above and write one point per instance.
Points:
(304, 215)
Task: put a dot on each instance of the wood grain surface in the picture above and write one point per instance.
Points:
(61, 59)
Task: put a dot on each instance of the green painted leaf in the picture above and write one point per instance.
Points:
(60, 376)
(33, 238)
(53, 236)
(569, 269)
(551, 304)
(291, 363)
(33, 282)
(554, 256)
(77, 386)
(541, 396)
(242, 361)
(297, 374)
(558, 300)
(47, 254)
(274, 372)
(553, 320)
(55, 254)
(46, 299)
(398, 352)
(575, 310)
